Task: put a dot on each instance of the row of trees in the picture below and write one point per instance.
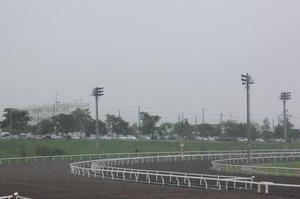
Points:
(80, 120)
(15, 120)
(234, 129)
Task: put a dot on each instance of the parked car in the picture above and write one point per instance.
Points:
(173, 137)
(241, 139)
(6, 135)
(53, 136)
(145, 137)
(105, 137)
(198, 138)
(212, 139)
(259, 140)
(44, 137)
(122, 137)
(130, 137)
(92, 137)
(23, 136)
(279, 140)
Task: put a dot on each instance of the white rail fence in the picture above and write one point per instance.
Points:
(13, 197)
(210, 155)
(243, 165)
(35, 159)
(112, 166)
(99, 168)
(111, 169)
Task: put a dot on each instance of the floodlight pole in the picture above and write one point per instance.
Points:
(97, 92)
(247, 81)
(284, 97)
(284, 120)
(97, 127)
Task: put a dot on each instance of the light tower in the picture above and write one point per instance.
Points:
(97, 92)
(247, 81)
(284, 97)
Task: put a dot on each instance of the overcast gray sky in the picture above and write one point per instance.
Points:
(167, 56)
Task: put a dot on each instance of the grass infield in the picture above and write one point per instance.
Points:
(280, 168)
(17, 148)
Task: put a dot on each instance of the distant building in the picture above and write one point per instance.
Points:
(38, 113)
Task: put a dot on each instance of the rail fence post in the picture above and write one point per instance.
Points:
(177, 181)
(163, 180)
(266, 189)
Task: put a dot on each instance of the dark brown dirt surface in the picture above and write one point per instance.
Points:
(54, 180)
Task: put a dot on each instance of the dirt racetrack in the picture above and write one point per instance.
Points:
(54, 180)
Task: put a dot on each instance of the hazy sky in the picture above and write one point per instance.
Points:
(167, 56)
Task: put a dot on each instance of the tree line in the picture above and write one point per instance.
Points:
(80, 120)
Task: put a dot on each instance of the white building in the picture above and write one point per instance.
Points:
(38, 113)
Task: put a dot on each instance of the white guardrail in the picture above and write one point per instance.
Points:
(113, 166)
(115, 169)
(209, 154)
(13, 197)
(243, 165)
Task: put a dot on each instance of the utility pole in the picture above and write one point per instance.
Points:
(203, 116)
(139, 121)
(38, 115)
(273, 125)
(56, 98)
(53, 111)
(119, 112)
(247, 81)
(221, 118)
(10, 120)
(196, 119)
(182, 122)
(97, 92)
(221, 123)
(284, 97)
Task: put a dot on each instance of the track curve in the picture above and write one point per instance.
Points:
(115, 169)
